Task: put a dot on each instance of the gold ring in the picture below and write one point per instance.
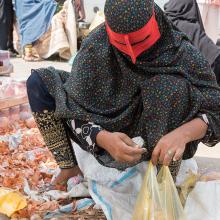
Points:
(170, 153)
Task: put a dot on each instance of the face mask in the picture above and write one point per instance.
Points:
(135, 43)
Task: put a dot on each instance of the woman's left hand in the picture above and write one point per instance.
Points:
(170, 147)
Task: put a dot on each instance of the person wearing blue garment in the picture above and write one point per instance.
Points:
(34, 19)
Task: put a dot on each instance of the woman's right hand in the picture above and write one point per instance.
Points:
(120, 146)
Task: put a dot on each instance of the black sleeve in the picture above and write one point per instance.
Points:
(86, 133)
(210, 139)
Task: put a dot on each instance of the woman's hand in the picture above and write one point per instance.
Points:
(172, 146)
(120, 146)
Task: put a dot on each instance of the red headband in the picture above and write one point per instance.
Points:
(135, 43)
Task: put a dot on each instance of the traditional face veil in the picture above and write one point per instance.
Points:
(135, 36)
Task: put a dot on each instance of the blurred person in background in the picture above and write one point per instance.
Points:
(210, 12)
(185, 15)
(61, 38)
(6, 26)
(34, 21)
(80, 10)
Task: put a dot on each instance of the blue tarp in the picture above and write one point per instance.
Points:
(34, 18)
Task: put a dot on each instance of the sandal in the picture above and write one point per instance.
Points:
(29, 56)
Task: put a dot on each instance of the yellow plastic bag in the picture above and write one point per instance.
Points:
(148, 205)
(158, 198)
(170, 200)
(11, 201)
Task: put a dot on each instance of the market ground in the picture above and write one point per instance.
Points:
(207, 158)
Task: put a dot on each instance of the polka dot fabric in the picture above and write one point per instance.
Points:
(128, 16)
(170, 84)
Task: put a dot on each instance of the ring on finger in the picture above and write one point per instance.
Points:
(170, 153)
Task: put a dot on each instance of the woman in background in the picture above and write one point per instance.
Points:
(6, 26)
(34, 20)
(185, 15)
(210, 12)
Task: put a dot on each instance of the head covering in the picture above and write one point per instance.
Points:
(124, 17)
(124, 38)
(106, 88)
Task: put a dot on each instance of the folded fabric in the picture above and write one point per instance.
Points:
(61, 37)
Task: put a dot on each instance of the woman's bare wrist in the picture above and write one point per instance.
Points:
(101, 139)
(194, 130)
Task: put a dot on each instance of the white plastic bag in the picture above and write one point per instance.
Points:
(204, 201)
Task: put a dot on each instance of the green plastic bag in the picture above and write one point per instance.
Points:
(158, 198)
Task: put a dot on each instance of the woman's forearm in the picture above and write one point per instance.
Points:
(193, 130)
